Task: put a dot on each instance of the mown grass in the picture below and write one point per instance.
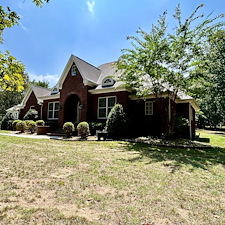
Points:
(216, 138)
(65, 182)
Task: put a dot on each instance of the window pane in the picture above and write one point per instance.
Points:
(50, 114)
(102, 102)
(102, 113)
(56, 106)
(111, 101)
(50, 106)
(56, 114)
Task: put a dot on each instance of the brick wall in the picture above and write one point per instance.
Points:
(73, 85)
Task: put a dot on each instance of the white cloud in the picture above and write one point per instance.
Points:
(52, 79)
(23, 27)
(91, 5)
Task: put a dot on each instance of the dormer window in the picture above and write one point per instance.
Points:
(107, 82)
(55, 90)
(74, 70)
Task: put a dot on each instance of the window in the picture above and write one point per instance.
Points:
(32, 107)
(53, 110)
(148, 108)
(105, 104)
(107, 82)
(73, 71)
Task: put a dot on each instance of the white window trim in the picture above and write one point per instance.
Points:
(52, 110)
(107, 108)
(151, 111)
(32, 107)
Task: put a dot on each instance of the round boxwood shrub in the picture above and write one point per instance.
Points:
(40, 122)
(83, 129)
(68, 128)
(21, 126)
(14, 124)
(31, 114)
(32, 126)
(116, 122)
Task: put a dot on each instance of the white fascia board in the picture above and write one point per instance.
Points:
(107, 90)
(27, 95)
(50, 97)
(65, 71)
(192, 102)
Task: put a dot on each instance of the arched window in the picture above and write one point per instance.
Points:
(107, 82)
(74, 70)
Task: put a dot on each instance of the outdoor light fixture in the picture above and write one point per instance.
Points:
(81, 106)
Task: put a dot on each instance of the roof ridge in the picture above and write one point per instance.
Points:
(108, 63)
(86, 62)
(49, 89)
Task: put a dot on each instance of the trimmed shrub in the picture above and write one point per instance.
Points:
(40, 122)
(68, 128)
(31, 114)
(116, 122)
(32, 126)
(21, 126)
(14, 124)
(7, 120)
(83, 129)
(96, 126)
(181, 128)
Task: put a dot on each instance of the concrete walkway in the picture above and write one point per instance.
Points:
(32, 136)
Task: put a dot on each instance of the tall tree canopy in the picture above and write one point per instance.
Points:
(210, 92)
(161, 61)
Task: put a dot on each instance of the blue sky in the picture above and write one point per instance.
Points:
(94, 30)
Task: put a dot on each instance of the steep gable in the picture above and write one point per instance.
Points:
(89, 73)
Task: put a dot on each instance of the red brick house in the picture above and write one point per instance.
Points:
(87, 93)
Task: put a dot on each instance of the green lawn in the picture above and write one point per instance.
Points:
(65, 182)
(215, 138)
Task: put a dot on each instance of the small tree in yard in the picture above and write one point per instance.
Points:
(83, 130)
(162, 62)
(116, 122)
(31, 114)
(68, 128)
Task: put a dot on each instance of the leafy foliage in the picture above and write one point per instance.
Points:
(31, 114)
(21, 126)
(83, 129)
(43, 83)
(162, 61)
(7, 121)
(68, 128)
(14, 124)
(40, 122)
(12, 77)
(32, 126)
(116, 122)
(11, 71)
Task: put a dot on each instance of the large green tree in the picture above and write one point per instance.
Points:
(168, 62)
(210, 93)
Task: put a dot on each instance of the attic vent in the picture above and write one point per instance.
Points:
(107, 82)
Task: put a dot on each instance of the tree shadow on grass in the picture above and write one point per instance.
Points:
(197, 158)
